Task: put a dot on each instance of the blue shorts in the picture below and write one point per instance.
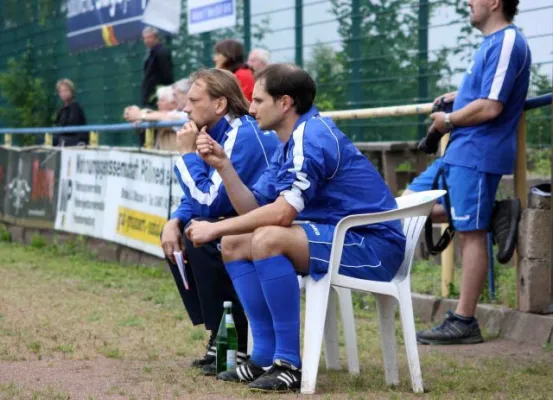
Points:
(366, 255)
(471, 193)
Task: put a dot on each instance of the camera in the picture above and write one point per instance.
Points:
(431, 142)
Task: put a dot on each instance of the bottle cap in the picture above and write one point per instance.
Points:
(227, 304)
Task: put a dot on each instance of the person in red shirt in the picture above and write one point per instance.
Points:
(229, 55)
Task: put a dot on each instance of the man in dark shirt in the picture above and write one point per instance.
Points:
(158, 66)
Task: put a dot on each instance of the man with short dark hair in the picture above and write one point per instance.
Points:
(483, 125)
(314, 176)
(158, 66)
(217, 106)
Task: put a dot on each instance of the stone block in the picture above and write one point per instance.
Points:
(527, 328)
(534, 235)
(539, 202)
(491, 318)
(153, 261)
(104, 251)
(128, 256)
(534, 283)
(425, 306)
(17, 233)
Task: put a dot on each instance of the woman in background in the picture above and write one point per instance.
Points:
(229, 55)
(70, 114)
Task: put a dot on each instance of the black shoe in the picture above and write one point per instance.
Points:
(505, 218)
(209, 357)
(209, 369)
(281, 377)
(245, 372)
(452, 331)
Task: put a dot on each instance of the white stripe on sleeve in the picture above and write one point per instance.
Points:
(294, 195)
(503, 64)
(209, 197)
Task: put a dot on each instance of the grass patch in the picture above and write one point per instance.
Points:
(426, 279)
(38, 241)
(67, 308)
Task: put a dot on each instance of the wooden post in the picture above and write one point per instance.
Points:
(94, 139)
(7, 139)
(48, 139)
(448, 255)
(520, 186)
(149, 140)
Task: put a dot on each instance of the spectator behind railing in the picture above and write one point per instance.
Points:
(258, 60)
(229, 55)
(171, 100)
(158, 67)
(70, 114)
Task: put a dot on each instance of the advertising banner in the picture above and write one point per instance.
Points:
(208, 15)
(103, 23)
(29, 181)
(118, 196)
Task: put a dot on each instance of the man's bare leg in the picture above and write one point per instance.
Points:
(475, 269)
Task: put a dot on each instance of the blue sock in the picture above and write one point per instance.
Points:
(247, 286)
(280, 286)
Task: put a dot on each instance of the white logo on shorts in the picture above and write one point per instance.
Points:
(314, 227)
(460, 218)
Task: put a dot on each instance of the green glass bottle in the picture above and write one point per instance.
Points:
(232, 337)
(222, 341)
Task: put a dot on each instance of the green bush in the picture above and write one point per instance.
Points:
(38, 241)
(26, 99)
(5, 235)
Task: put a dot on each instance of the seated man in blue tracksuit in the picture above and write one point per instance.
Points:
(318, 176)
(216, 105)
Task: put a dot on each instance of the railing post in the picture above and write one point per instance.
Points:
(448, 255)
(48, 139)
(94, 139)
(520, 185)
(149, 141)
(7, 139)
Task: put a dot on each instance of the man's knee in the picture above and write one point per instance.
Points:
(266, 242)
(235, 247)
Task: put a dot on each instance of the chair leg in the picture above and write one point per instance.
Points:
(385, 307)
(250, 339)
(316, 294)
(332, 347)
(350, 334)
(409, 337)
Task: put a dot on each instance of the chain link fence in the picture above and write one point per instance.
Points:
(362, 54)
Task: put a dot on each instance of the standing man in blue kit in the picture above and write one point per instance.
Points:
(482, 146)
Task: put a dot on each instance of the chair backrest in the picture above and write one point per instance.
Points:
(412, 228)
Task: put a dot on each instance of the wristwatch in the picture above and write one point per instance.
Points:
(449, 126)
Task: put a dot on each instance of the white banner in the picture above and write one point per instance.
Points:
(163, 14)
(117, 196)
(176, 190)
(208, 15)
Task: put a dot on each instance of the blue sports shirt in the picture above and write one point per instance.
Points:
(248, 148)
(325, 177)
(500, 71)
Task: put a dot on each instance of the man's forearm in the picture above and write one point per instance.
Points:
(476, 112)
(240, 196)
(277, 213)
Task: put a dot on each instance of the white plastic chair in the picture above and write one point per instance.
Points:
(320, 313)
